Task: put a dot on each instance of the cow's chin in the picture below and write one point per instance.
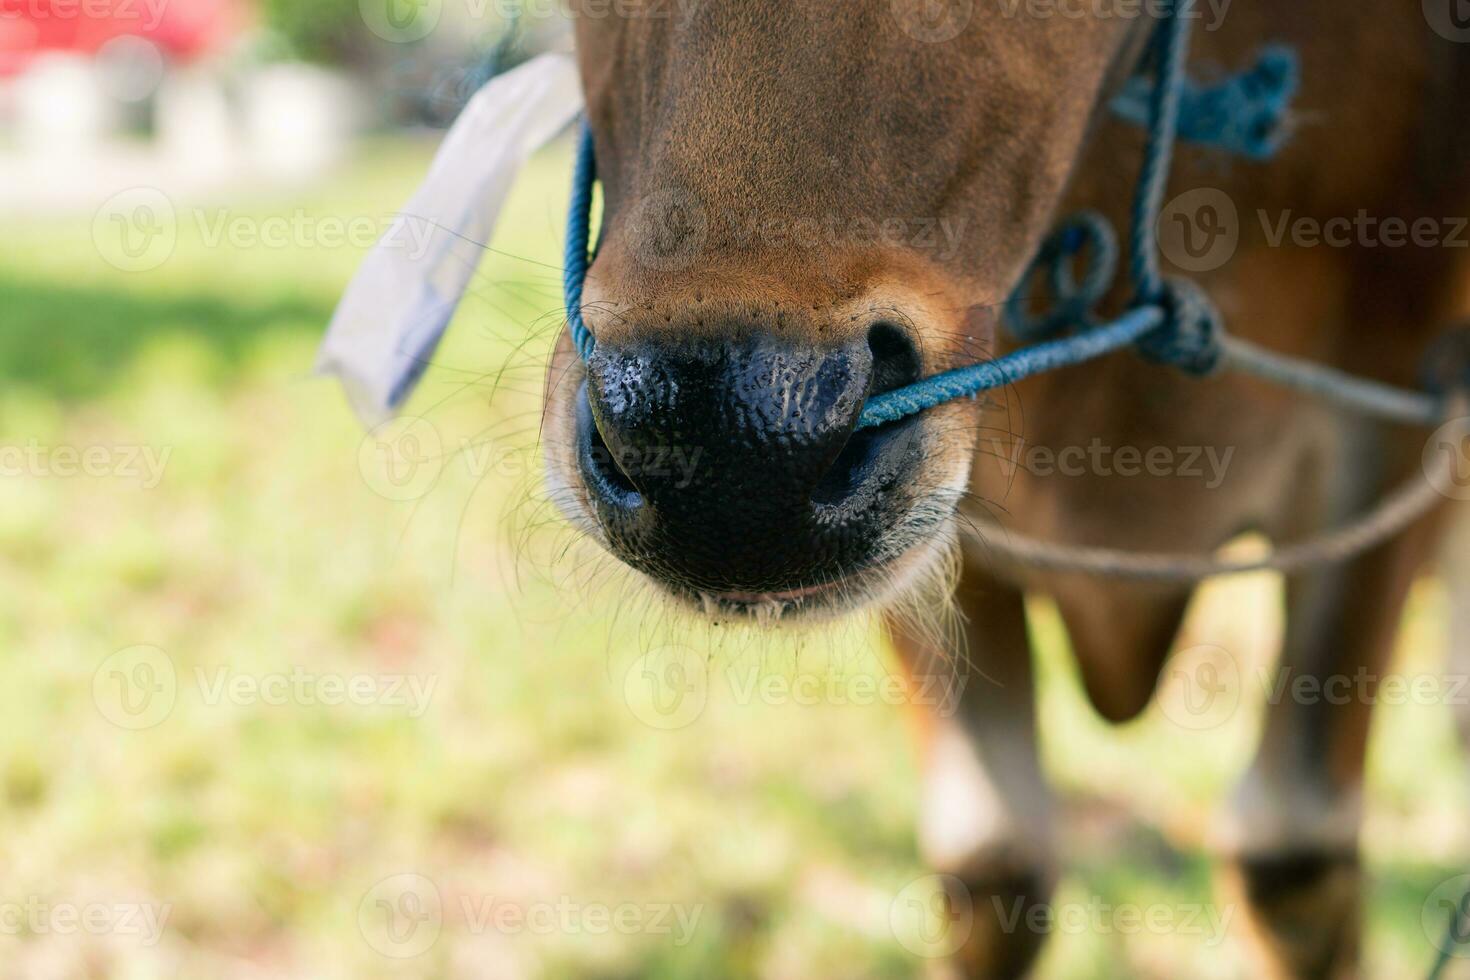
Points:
(919, 573)
(920, 567)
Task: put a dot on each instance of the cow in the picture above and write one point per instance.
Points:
(808, 204)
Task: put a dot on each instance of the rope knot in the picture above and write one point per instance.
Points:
(1190, 338)
(1084, 243)
(1247, 113)
(1446, 367)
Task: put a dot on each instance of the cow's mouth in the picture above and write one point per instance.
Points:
(871, 585)
(788, 596)
(805, 602)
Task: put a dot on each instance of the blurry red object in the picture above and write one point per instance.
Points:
(182, 29)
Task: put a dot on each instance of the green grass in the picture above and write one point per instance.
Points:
(532, 778)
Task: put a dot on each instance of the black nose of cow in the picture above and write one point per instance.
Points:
(734, 464)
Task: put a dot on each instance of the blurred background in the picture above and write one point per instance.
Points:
(279, 699)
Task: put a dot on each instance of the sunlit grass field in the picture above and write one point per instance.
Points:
(326, 706)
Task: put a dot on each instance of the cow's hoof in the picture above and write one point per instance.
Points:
(1302, 909)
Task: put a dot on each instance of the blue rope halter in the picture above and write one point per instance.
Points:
(1170, 321)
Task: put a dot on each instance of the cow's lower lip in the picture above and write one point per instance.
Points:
(827, 599)
(834, 597)
(789, 595)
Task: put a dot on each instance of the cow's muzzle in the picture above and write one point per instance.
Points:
(728, 465)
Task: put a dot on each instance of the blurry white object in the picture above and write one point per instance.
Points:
(298, 119)
(129, 68)
(402, 298)
(196, 128)
(61, 107)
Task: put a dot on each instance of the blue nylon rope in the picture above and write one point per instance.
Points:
(1245, 114)
(975, 378)
(1171, 48)
(579, 236)
(1171, 321)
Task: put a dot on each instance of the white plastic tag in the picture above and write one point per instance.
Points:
(398, 305)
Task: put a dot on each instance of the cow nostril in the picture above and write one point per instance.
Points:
(847, 472)
(896, 363)
(599, 465)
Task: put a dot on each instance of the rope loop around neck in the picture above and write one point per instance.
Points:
(1085, 243)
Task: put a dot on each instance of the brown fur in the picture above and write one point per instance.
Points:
(745, 113)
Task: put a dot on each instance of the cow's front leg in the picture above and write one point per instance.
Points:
(1455, 571)
(985, 820)
(1292, 833)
